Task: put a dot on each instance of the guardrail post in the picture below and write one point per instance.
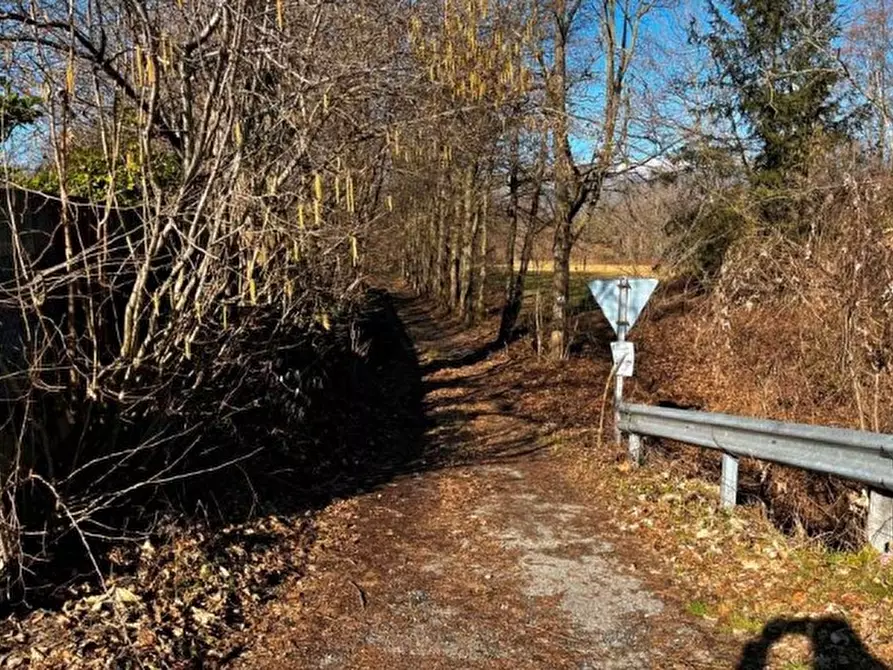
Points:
(879, 524)
(729, 486)
(635, 448)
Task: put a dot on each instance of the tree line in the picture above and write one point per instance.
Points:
(271, 155)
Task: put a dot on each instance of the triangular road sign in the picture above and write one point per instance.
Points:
(607, 294)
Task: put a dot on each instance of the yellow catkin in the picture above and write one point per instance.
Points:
(138, 63)
(354, 251)
(225, 317)
(351, 202)
(150, 71)
(317, 185)
(337, 189)
(301, 216)
(252, 287)
(390, 203)
(280, 14)
(317, 212)
(69, 77)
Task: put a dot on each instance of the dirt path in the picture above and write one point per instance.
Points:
(484, 557)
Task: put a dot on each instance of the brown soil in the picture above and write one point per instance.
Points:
(485, 554)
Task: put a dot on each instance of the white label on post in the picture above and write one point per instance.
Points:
(624, 354)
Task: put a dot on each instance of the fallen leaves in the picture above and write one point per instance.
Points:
(738, 569)
(183, 602)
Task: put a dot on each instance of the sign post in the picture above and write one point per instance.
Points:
(621, 301)
(622, 328)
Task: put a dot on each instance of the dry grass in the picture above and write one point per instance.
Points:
(794, 329)
(595, 269)
(738, 571)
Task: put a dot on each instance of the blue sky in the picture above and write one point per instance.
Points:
(662, 50)
(664, 54)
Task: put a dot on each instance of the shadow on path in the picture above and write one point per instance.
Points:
(456, 563)
(388, 421)
(834, 645)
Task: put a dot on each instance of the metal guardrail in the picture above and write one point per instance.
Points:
(850, 454)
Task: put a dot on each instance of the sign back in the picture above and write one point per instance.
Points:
(607, 294)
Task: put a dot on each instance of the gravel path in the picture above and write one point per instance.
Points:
(488, 562)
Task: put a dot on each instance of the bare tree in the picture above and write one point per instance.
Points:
(619, 24)
(868, 60)
(235, 161)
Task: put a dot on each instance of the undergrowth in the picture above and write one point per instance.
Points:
(737, 569)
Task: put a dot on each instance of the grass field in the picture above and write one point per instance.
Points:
(597, 269)
(539, 279)
(542, 282)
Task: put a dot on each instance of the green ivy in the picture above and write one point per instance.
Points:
(90, 175)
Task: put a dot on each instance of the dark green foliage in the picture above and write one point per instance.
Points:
(15, 110)
(776, 76)
(776, 87)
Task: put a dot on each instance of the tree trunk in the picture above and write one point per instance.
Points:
(561, 244)
(455, 242)
(511, 306)
(514, 286)
(469, 237)
(481, 308)
(571, 187)
(440, 251)
(430, 251)
(514, 299)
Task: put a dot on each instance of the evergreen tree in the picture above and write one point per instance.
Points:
(777, 76)
(15, 110)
